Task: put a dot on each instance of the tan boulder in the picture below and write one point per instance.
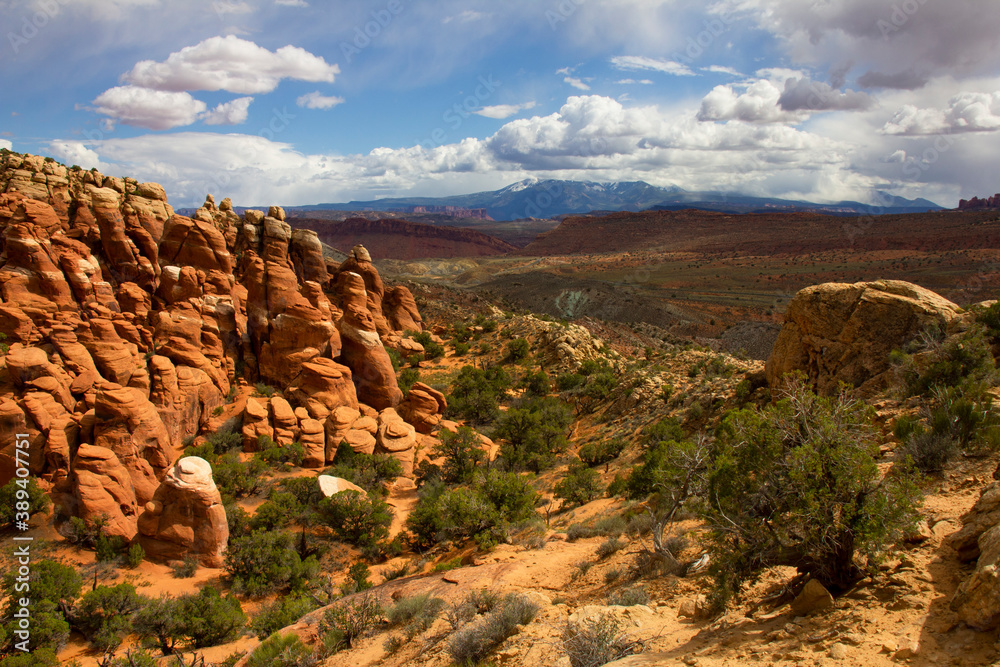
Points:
(362, 442)
(423, 407)
(397, 439)
(284, 420)
(839, 332)
(185, 516)
(194, 243)
(256, 423)
(322, 386)
(977, 599)
(983, 516)
(312, 436)
(337, 425)
(329, 486)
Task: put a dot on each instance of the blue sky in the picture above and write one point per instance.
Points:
(301, 101)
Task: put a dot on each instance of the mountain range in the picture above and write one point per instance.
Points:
(534, 198)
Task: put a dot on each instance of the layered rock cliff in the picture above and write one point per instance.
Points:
(125, 326)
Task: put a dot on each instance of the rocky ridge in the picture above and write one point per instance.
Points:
(127, 326)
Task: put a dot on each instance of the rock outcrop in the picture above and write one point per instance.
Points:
(130, 328)
(839, 332)
(185, 516)
(423, 407)
(977, 600)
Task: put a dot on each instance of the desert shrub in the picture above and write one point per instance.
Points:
(109, 548)
(416, 613)
(463, 454)
(618, 486)
(398, 572)
(461, 349)
(134, 556)
(201, 619)
(518, 349)
(447, 565)
(569, 381)
(21, 499)
(477, 393)
(580, 485)
(533, 433)
(601, 453)
(596, 642)
(54, 588)
(104, 615)
(613, 575)
(711, 367)
(610, 526)
(395, 358)
(280, 614)
(186, 568)
(474, 642)
(609, 547)
(933, 361)
(666, 430)
(578, 531)
(283, 651)
(275, 455)
(266, 561)
(280, 510)
(647, 477)
(797, 483)
(238, 479)
(357, 579)
(629, 597)
(407, 378)
(485, 511)
(346, 622)
(536, 383)
(132, 658)
(356, 518)
(372, 472)
(262, 389)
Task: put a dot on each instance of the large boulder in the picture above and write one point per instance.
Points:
(322, 386)
(397, 439)
(838, 332)
(423, 407)
(977, 599)
(185, 516)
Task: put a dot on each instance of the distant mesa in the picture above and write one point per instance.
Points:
(977, 204)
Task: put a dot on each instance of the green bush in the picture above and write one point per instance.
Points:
(104, 615)
(346, 622)
(356, 518)
(518, 349)
(407, 378)
(474, 642)
(610, 547)
(416, 613)
(463, 454)
(536, 383)
(282, 651)
(21, 497)
(186, 568)
(485, 511)
(629, 597)
(569, 381)
(477, 393)
(275, 455)
(280, 510)
(238, 479)
(938, 362)
(280, 614)
(372, 472)
(199, 620)
(54, 588)
(580, 485)
(601, 453)
(797, 483)
(134, 556)
(533, 433)
(357, 579)
(266, 561)
(262, 389)
(461, 349)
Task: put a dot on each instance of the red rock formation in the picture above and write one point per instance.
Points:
(185, 516)
(362, 349)
(423, 407)
(401, 310)
(103, 487)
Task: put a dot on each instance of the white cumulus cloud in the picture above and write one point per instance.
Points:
(229, 113)
(151, 109)
(316, 100)
(966, 112)
(501, 111)
(230, 63)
